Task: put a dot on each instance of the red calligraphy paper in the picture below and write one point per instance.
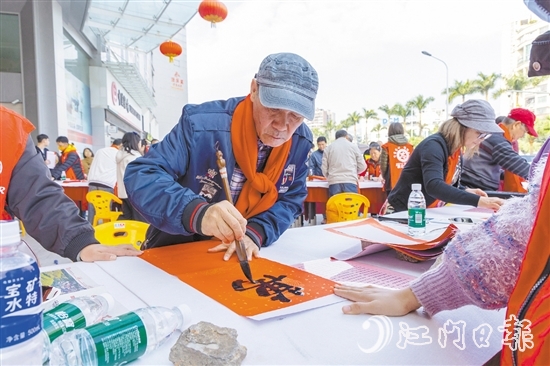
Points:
(278, 286)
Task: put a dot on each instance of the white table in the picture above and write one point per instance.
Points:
(317, 192)
(76, 191)
(362, 184)
(319, 336)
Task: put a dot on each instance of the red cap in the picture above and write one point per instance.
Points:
(526, 117)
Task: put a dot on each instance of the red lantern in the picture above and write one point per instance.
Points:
(170, 49)
(212, 11)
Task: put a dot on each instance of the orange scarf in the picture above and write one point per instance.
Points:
(259, 192)
(13, 140)
(512, 182)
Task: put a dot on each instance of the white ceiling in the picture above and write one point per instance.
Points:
(139, 25)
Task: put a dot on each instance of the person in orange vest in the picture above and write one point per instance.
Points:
(69, 162)
(373, 163)
(436, 161)
(483, 170)
(395, 154)
(28, 193)
(117, 144)
(529, 304)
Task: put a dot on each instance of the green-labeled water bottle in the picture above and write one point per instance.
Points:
(74, 314)
(119, 340)
(417, 211)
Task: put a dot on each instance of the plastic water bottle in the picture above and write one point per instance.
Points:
(20, 301)
(119, 340)
(74, 314)
(417, 211)
(63, 176)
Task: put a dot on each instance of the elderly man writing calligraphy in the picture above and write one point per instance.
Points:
(177, 186)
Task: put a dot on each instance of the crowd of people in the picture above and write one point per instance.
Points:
(104, 170)
(470, 154)
(177, 188)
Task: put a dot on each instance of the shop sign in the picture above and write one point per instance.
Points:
(120, 102)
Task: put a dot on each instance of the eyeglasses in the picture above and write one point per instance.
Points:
(483, 136)
(524, 127)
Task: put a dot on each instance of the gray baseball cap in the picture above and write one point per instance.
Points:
(287, 81)
(477, 114)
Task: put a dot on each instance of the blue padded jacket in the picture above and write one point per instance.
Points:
(179, 175)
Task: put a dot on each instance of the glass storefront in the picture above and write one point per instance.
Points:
(10, 44)
(77, 89)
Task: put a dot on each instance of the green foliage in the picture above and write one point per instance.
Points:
(460, 89)
(368, 114)
(516, 83)
(328, 131)
(344, 124)
(415, 140)
(402, 111)
(531, 145)
(378, 128)
(485, 83)
(354, 119)
(420, 103)
(543, 128)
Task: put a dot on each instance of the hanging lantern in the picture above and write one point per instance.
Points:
(212, 11)
(170, 49)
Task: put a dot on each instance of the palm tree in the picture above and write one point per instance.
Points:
(368, 114)
(345, 124)
(316, 131)
(420, 103)
(485, 83)
(402, 111)
(354, 119)
(516, 83)
(389, 111)
(329, 127)
(377, 129)
(460, 89)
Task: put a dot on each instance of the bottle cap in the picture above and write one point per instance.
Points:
(9, 232)
(186, 314)
(416, 187)
(110, 300)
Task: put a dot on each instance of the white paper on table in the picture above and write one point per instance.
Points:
(377, 235)
(356, 273)
(308, 305)
(50, 156)
(355, 250)
(376, 239)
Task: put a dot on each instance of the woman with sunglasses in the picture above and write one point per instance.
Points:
(436, 162)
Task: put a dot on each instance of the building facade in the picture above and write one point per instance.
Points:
(91, 70)
(517, 50)
(320, 119)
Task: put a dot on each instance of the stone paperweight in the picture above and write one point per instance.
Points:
(207, 344)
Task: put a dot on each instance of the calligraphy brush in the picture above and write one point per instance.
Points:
(240, 248)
